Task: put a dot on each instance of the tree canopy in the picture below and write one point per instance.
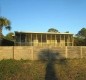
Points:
(52, 30)
(9, 36)
(80, 38)
(4, 23)
(67, 32)
(82, 33)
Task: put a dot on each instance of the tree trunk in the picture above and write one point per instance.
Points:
(0, 36)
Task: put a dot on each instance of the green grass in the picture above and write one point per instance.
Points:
(67, 69)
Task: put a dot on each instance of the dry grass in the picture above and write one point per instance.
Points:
(66, 69)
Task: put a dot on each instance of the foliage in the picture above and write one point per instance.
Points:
(67, 32)
(67, 69)
(52, 30)
(82, 33)
(4, 23)
(80, 39)
(9, 36)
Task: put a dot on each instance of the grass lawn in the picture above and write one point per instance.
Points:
(67, 69)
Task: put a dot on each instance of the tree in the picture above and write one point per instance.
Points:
(67, 32)
(80, 39)
(4, 23)
(9, 36)
(82, 33)
(52, 30)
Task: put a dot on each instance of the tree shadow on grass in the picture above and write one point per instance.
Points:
(50, 57)
(50, 72)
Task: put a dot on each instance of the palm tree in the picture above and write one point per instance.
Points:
(4, 23)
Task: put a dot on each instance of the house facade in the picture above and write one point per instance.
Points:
(43, 39)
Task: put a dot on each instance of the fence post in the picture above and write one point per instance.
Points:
(32, 48)
(13, 52)
(81, 52)
(66, 52)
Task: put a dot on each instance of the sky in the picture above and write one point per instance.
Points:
(40, 15)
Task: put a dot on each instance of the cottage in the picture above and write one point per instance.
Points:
(43, 39)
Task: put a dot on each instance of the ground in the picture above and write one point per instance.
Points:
(63, 69)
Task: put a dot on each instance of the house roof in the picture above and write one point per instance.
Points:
(42, 32)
